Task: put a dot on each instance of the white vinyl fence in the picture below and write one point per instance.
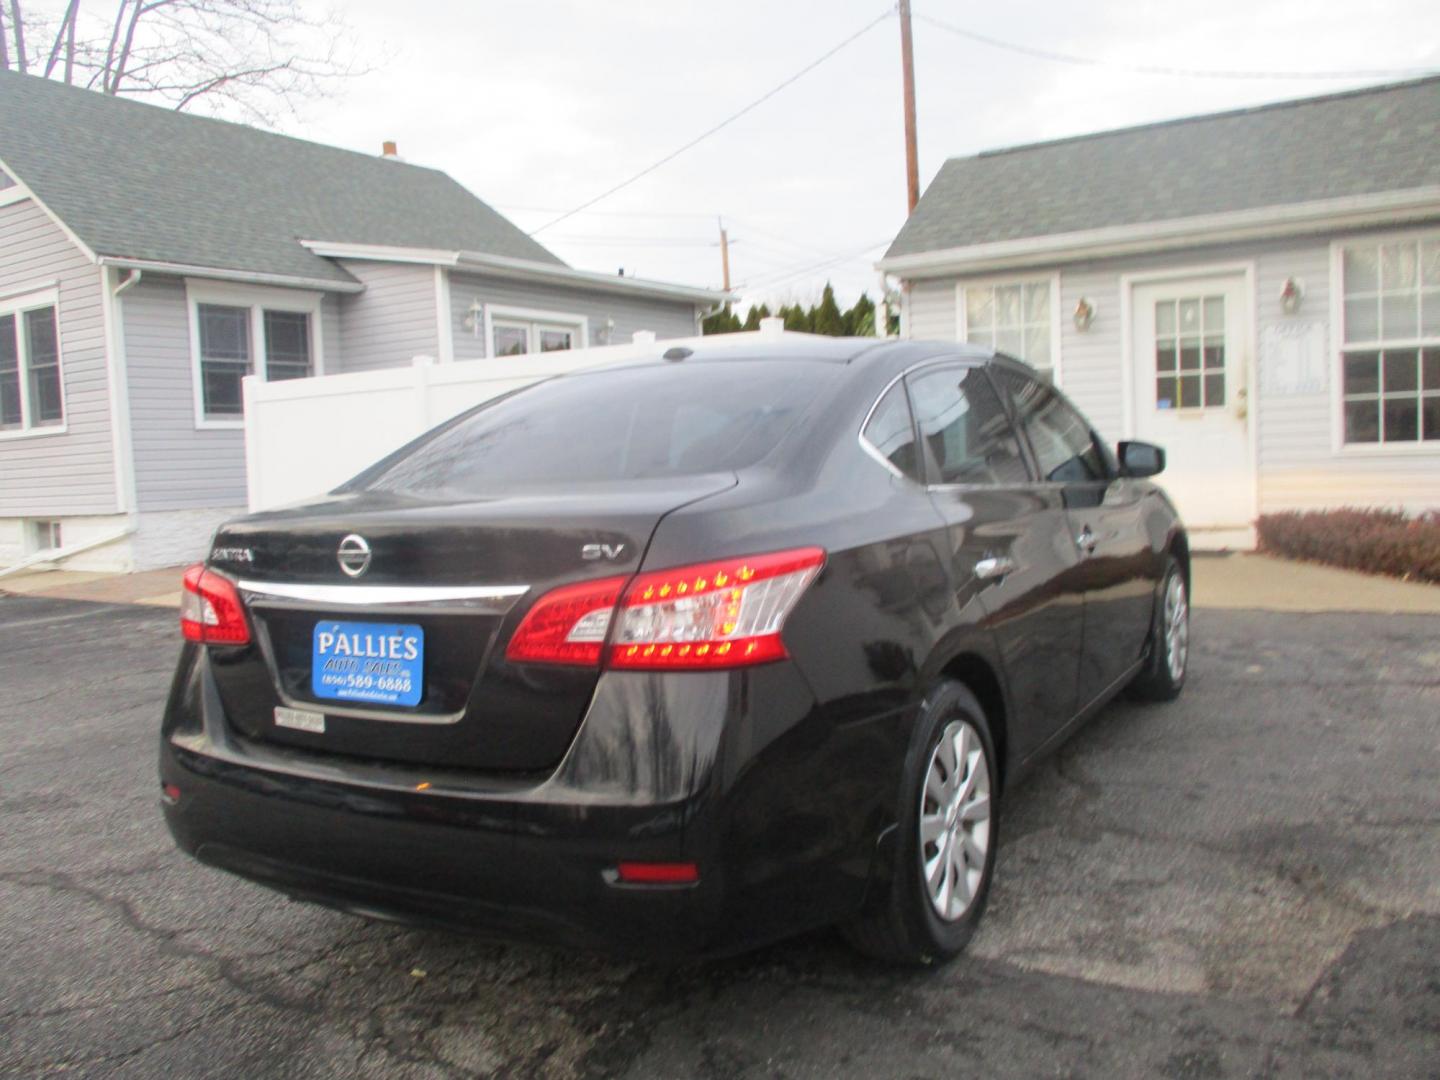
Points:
(305, 436)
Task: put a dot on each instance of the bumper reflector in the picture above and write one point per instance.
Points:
(658, 873)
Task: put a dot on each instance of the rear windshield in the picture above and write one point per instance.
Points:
(676, 420)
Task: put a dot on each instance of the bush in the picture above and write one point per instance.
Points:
(1373, 541)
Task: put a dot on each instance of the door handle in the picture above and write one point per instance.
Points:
(994, 567)
(1086, 541)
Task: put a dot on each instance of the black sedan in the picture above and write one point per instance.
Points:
(679, 657)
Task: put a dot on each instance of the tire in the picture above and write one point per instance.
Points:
(1163, 676)
(907, 924)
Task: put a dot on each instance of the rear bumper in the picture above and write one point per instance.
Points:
(736, 772)
(438, 860)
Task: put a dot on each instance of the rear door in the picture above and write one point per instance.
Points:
(1009, 540)
(1104, 514)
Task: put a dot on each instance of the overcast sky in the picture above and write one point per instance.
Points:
(539, 105)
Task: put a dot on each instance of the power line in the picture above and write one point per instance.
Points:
(1152, 69)
(606, 213)
(722, 124)
(771, 280)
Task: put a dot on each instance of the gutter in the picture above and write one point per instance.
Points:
(1266, 222)
(55, 555)
(525, 269)
(249, 277)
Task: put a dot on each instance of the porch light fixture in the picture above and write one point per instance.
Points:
(1291, 294)
(1084, 314)
(475, 318)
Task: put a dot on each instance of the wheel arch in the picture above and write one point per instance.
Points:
(981, 677)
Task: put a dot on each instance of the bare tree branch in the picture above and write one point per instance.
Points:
(252, 60)
(4, 47)
(66, 24)
(19, 23)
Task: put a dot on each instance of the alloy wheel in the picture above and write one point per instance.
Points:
(955, 821)
(1177, 627)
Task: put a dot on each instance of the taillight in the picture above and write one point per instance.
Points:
(567, 625)
(711, 615)
(722, 614)
(210, 609)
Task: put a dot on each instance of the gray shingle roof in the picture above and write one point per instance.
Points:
(1355, 143)
(142, 182)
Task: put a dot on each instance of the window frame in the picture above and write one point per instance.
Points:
(1098, 444)
(17, 303)
(874, 452)
(922, 458)
(1052, 278)
(534, 320)
(257, 300)
(1338, 346)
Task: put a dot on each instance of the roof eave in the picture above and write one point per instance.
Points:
(1294, 219)
(215, 273)
(522, 269)
(588, 279)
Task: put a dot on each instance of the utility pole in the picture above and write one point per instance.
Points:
(724, 254)
(907, 69)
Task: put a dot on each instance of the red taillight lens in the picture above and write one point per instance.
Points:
(721, 614)
(567, 625)
(210, 609)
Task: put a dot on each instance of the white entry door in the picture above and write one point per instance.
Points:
(1190, 341)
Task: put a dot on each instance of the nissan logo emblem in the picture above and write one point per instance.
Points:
(354, 555)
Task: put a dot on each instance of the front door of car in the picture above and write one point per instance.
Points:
(1009, 545)
(1104, 513)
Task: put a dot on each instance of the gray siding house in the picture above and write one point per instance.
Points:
(1258, 291)
(149, 260)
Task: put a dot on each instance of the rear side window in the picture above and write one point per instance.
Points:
(966, 434)
(675, 420)
(1064, 448)
(891, 433)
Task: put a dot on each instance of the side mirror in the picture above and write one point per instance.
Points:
(1141, 459)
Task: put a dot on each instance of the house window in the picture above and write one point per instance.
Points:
(515, 333)
(45, 536)
(32, 395)
(1190, 352)
(1013, 317)
(1390, 356)
(240, 332)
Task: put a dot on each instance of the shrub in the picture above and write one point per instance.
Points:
(1373, 541)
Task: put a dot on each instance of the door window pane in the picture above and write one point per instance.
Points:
(11, 415)
(1064, 448)
(553, 340)
(287, 345)
(224, 358)
(1190, 339)
(967, 436)
(891, 434)
(42, 352)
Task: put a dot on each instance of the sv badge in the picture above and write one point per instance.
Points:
(601, 551)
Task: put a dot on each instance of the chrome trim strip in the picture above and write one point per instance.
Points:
(475, 598)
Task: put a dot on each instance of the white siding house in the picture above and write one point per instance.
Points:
(140, 282)
(1257, 291)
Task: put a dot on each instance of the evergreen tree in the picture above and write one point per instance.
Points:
(755, 314)
(797, 318)
(825, 318)
(723, 321)
(860, 319)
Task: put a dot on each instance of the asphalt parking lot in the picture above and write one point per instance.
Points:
(1243, 883)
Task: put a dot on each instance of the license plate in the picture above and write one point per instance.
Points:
(379, 663)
